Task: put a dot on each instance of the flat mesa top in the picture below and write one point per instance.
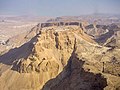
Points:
(61, 28)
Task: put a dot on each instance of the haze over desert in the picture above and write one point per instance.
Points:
(59, 45)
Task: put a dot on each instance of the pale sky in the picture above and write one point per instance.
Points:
(58, 7)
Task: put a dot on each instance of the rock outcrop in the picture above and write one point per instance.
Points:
(65, 54)
(49, 42)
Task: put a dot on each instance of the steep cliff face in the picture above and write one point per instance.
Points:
(102, 33)
(51, 52)
(62, 53)
(96, 30)
(114, 41)
(54, 46)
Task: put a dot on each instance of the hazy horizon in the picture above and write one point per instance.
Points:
(58, 7)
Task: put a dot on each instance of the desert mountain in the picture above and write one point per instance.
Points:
(60, 56)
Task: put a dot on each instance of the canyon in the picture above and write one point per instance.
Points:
(62, 55)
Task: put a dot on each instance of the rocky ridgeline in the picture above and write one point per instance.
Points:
(20, 39)
(49, 24)
(35, 30)
(57, 53)
(61, 57)
(98, 32)
(60, 43)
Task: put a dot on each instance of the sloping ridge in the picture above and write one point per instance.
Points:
(19, 53)
(49, 54)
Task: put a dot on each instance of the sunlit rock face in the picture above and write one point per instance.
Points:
(59, 58)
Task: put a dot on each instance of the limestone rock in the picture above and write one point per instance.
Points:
(59, 58)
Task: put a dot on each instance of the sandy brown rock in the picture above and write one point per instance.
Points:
(63, 53)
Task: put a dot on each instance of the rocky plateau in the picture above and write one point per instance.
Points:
(62, 56)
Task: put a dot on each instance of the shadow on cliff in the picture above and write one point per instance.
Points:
(22, 52)
(104, 37)
(74, 77)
